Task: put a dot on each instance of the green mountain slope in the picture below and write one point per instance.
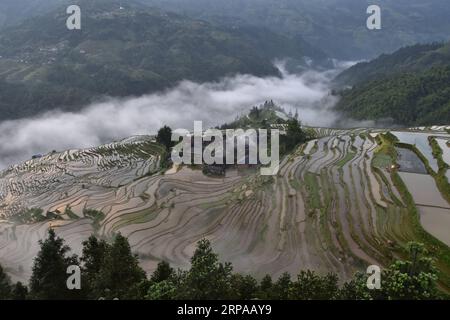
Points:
(122, 50)
(410, 87)
(417, 98)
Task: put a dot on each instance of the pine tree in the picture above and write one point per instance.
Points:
(281, 287)
(265, 288)
(207, 278)
(164, 137)
(19, 292)
(294, 136)
(49, 277)
(163, 290)
(120, 274)
(94, 253)
(243, 287)
(163, 272)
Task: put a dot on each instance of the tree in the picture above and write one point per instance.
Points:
(310, 286)
(356, 289)
(19, 292)
(163, 272)
(163, 290)
(120, 274)
(413, 279)
(281, 287)
(255, 113)
(162, 284)
(5, 285)
(207, 278)
(243, 287)
(294, 136)
(93, 256)
(164, 137)
(48, 280)
(265, 288)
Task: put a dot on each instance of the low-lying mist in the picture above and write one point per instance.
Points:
(214, 103)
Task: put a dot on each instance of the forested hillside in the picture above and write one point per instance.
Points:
(123, 50)
(415, 58)
(338, 27)
(410, 87)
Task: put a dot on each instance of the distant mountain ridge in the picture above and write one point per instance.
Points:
(415, 58)
(338, 27)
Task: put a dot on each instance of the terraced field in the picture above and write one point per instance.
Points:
(335, 205)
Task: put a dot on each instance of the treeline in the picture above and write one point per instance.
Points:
(109, 270)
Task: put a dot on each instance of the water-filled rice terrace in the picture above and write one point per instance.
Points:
(339, 203)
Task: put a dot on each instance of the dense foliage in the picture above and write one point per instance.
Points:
(421, 98)
(110, 270)
(335, 26)
(164, 137)
(409, 87)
